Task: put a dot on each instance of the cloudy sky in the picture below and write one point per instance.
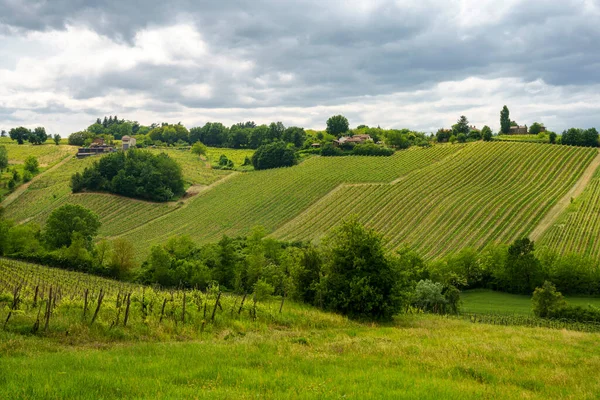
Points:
(417, 64)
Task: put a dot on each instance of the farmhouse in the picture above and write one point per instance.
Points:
(97, 147)
(356, 139)
(518, 130)
(127, 142)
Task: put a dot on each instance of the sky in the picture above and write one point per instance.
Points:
(398, 64)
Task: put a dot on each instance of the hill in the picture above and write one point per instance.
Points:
(300, 352)
(436, 199)
(488, 192)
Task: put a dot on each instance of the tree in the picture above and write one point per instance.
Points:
(31, 164)
(486, 133)
(67, 220)
(3, 133)
(535, 128)
(3, 158)
(273, 155)
(20, 134)
(546, 300)
(505, 120)
(523, 269)
(56, 139)
(552, 137)
(461, 138)
(38, 135)
(461, 126)
(294, 135)
(443, 135)
(122, 259)
(199, 149)
(337, 125)
(360, 280)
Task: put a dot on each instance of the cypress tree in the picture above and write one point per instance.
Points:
(504, 120)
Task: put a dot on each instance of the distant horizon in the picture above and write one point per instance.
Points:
(397, 64)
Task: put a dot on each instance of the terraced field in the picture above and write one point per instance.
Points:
(577, 230)
(271, 198)
(490, 192)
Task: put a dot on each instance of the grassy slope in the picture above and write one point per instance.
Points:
(272, 197)
(52, 190)
(300, 353)
(578, 228)
(487, 301)
(419, 357)
(489, 192)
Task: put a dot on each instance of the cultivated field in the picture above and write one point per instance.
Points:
(131, 352)
(488, 192)
(272, 197)
(577, 230)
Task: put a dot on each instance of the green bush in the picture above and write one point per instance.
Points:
(547, 300)
(371, 149)
(273, 155)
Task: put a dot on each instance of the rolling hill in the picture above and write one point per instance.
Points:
(436, 199)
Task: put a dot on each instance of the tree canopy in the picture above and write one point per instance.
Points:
(337, 125)
(68, 220)
(135, 173)
(273, 155)
(505, 122)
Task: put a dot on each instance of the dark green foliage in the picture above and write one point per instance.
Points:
(547, 300)
(68, 220)
(169, 134)
(31, 164)
(505, 122)
(399, 139)
(522, 271)
(79, 138)
(580, 137)
(38, 135)
(486, 133)
(56, 139)
(225, 163)
(3, 158)
(443, 135)
(360, 280)
(461, 138)
(474, 134)
(371, 149)
(273, 155)
(294, 135)
(535, 128)
(576, 313)
(435, 297)
(329, 150)
(337, 125)
(461, 126)
(135, 173)
(552, 137)
(20, 134)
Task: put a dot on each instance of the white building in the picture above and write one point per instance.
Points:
(127, 142)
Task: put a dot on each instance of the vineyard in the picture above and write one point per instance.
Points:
(272, 197)
(577, 230)
(50, 301)
(71, 335)
(488, 193)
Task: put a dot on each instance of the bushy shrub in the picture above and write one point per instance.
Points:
(273, 155)
(371, 149)
(547, 300)
(31, 164)
(329, 150)
(461, 138)
(135, 173)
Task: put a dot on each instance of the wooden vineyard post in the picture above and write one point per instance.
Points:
(127, 310)
(100, 298)
(242, 304)
(48, 309)
(212, 318)
(15, 304)
(162, 311)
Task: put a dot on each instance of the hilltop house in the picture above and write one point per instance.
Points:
(127, 142)
(97, 147)
(356, 139)
(518, 130)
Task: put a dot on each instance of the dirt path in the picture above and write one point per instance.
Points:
(21, 189)
(564, 202)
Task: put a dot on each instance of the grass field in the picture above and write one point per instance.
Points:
(487, 301)
(488, 192)
(577, 230)
(300, 353)
(270, 198)
(47, 155)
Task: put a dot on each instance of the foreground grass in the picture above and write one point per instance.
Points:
(417, 357)
(490, 302)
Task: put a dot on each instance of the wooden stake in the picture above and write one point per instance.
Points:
(100, 298)
(212, 318)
